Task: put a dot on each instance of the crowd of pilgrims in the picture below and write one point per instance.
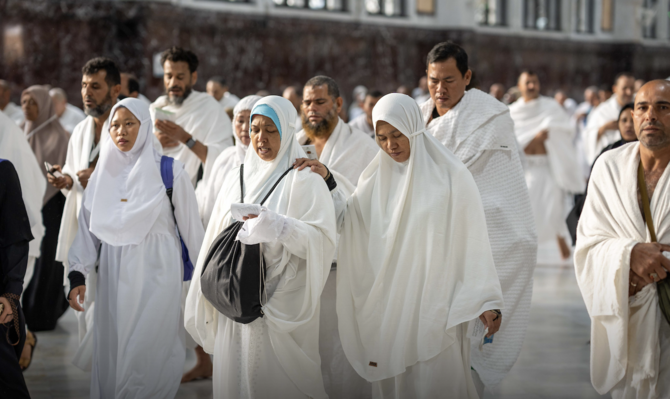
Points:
(303, 256)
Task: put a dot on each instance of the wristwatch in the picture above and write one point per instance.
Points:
(190, 142)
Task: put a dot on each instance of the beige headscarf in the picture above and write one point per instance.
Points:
(47, 138)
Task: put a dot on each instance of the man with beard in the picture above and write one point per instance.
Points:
(478, 129)
(346, 152)
(189, 124)
(100, 88)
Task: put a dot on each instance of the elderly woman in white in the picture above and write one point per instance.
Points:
(277, 355)
(414, 263)
(127, 221)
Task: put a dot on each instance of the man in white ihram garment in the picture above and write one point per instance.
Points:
(218, 88)
(100, 88)
(15, 148)
(621, 256)
(128, 221)
(68, 115)
(189, 124)
(277, 355)
(602, 126)
(415, 268)
(229, 159)
(363, 122)
(477, 128)
(545, 134)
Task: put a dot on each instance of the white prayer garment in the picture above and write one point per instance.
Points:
(480, 132)
(71, 117)
(348, 151)
(15, 148)
(552, 176)
(138, 339)
(630, 339)
(142, 97)
(276, 356)
(414, 266)
(229, 100)
(580, 127)
(200, 115)
(15, 113)
(361, 123)
(602, 114)
(229, 159)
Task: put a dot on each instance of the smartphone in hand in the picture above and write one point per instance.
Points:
(53, 172)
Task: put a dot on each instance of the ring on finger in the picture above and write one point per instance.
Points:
(654, 276)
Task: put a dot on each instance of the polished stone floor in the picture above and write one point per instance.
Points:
(554, 362)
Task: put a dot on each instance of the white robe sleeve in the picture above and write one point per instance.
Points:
(84, 251)
(186, 212)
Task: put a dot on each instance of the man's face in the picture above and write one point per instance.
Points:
(215, 90)
(178, 81)
(651, 115)
(368, 105)
(319, 111)
(446, 84)
(96, 94)
(624, 89)
(529, 85)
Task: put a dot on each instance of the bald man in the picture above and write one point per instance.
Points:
(497, 90)
(10, 109)
(69, 116)
(621, 269)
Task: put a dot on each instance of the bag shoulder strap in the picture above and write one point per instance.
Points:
(276, 184)
(167, 176)
(645, 202)
(242, 184)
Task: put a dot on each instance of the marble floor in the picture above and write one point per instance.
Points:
(554, 361)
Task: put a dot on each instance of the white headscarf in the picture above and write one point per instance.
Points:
(126, 188)
(247, 103)
(414, 258)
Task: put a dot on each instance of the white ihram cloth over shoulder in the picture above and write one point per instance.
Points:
(552, 176)
(15, 148)
(602, 114)
(276, 356)
(480, 132)
(15, 113)
(630, 339)
(201, 116)
(230, 158)
(348, 151)
(71, 117)
(138, 336)
(360, 123)
(414, 266)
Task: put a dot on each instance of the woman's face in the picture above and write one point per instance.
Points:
(626, 126)
(124, 129)
(29, 107)
(392, 141)
(242, 127)
(265, 137)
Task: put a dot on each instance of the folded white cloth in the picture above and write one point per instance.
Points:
(267, 227)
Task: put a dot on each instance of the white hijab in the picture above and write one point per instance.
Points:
(414, 259)
(126, 188)
(245, 104)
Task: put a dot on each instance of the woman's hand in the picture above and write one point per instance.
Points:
(76, 298)
(314, 165)
(492, 321)
(6, 316)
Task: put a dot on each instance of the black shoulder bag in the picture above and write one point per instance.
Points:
(233, 275)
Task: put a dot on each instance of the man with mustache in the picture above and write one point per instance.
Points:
(620, 258)
(100, 88)
(189, 124)
(478, 129)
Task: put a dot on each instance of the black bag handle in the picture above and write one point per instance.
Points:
(271, 190)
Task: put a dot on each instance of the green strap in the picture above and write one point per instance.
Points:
(645, 202)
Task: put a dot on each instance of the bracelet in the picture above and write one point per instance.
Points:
(330, 180)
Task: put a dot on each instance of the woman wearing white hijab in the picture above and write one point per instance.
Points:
(230, 158)
(138, 340)
(414, 264)
(277, 355)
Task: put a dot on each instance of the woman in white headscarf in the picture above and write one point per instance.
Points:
(230, 158)
(276, 356)
(414, 264)
(128, 222)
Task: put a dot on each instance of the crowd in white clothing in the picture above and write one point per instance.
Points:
(303, 256)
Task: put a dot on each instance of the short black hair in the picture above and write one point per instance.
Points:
(333, 88)
(621, 75)
(445, 50)
(133, 85)
(178, 54)
(218, 79)
(630, 106)
(93, 66)
(374, 93)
